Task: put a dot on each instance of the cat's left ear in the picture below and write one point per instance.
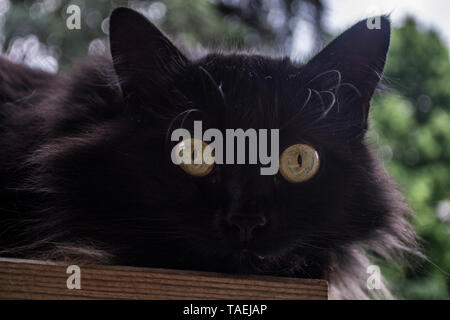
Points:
(356, 58)
(143, 56)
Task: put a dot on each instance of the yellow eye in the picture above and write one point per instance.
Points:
(195, 157)
(299, 163)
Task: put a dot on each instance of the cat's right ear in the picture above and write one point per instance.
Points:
(353, 62)
(143, 56)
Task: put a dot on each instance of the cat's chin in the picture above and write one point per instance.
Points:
(260, 249)
(246, 261)
(264, 257)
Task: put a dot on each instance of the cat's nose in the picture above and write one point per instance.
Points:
(246, 225)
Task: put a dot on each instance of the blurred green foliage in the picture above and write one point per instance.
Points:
(212, 23)
(410, 121)
(411, 127)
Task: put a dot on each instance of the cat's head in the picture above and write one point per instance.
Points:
(234, 218)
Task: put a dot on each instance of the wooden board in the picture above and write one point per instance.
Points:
(28, 279)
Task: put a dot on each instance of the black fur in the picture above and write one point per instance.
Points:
(86, 176)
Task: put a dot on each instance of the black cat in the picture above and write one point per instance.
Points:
(86, 174)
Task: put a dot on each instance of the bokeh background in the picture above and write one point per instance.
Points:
(410, 120)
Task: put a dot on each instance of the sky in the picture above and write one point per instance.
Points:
(341, 14)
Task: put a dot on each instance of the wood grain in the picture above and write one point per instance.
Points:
(29, 279)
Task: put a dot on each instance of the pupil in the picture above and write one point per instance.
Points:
(299, 160)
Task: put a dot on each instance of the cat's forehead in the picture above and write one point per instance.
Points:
(245, 67)
(256, 89)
